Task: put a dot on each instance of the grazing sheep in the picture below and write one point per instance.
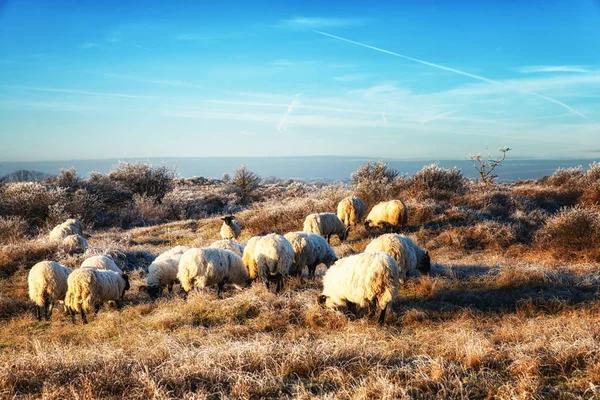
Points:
(47, 283)
(199, 268)
(326, 224)
(163, 272)
(89, 288)
(274, 256)
(67, 228)
(388, 214)
(407, 254)
(231, 228)
(248, 257)
(365, 279)
(351, 211)
(76, 224)
(311, 250)
(101, 262)
(75, 244)
(230, 245)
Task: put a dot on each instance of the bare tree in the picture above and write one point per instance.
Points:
(486, 167)
(245, 182)
(373, 182)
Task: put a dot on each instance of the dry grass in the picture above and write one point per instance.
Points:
(510, 311)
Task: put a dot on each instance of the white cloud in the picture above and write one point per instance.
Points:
(320, 22)
(552, 68)
(351, 77)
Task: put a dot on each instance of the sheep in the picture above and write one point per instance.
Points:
(407, 254)
(326, 224)
(76, 224)
(351, 211)
(204, 267)
(163, 272)
(248, 257)
(89, 288)
(227, 244)
(365, 279)
(75, 244)
(47, 281)
(69, 227)
(231, 228)
(388, 214)
(311, 250)
(274, 256)
(101, 262)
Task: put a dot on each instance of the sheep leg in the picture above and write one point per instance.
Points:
(46, 306)
(279, 283)
(352, 309)
(170, 287)
(267, 283)
(328, 238)
(72, 312)
(38, 312)
(311, 271)
(83, 318)
(382, 315)
(220, 290)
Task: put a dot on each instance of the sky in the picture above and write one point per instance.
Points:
(396, 79)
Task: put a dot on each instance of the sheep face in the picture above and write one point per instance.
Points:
(326, 301)
(228, 219)
(127, 285)
(329, 260)
(152, 291)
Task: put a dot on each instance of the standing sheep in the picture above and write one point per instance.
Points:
(199, 268)
(326, 224)
(407, 254)
(47, 281)
(75, 244)
(163, 272)
(351, 211)
(89, 288)
(227, 244)
(365, 279)
(274, 256)
(388, 214)
(101, 262)
(231, 228)
(311, 250)
(249, 258)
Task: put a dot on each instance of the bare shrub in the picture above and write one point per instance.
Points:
(438, 183)
(566, 176)
(153, 181)
(245, 183)
(29, 200)
(570, 232)
(68, 178)
(485, 167)
(12, 229)
(110, 192)
(549, 198)
(592, 175)
(373, 182)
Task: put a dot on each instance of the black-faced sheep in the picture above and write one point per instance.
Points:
(101, 262)
(231, 228)
(351, 211)
(388, 215)
(407, 254)
(274, 256)
(163, 272)
(249, 258)
(325, 224)
(310, 250)
(199, 268)
(47, 281)
(366, 279)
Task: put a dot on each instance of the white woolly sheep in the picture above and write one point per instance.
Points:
(89, 288)
(365, 279)
(274, 256)
(227, 244)
(326, 224)
(74, 244)
(47, 281)
(407, 254)
(248, 257)
(351, 211)
(199, 268)
(163, 272)
(311, 250)
(101, 262)
(231, 228)
(63, 230)
(76, 224)
(388, 214)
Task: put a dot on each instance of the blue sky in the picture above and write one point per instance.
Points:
(410, 80)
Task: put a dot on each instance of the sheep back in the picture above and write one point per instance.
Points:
(47, 282)
(351, 211)
(248, 257)
(163, 270)
(101, 262)
(274, 255)
(228, 244)
(210, 266)
(325, 224)
(387, 213)
(75, 243)
(89, 287)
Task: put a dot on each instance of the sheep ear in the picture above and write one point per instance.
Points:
(223, 218)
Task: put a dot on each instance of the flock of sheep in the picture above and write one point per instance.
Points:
(369, 279)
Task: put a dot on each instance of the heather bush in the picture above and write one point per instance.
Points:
(435, 182)
(374, 182)
(481, 236)
(110, 192)
(245, 184)
(566, 176)
(29, 200)
(571, 231)
(153, 181)
(12, 229)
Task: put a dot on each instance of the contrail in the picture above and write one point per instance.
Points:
(282, 126)
(456, 71)
(385, 123)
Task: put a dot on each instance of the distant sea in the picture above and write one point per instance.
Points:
(304, 168)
